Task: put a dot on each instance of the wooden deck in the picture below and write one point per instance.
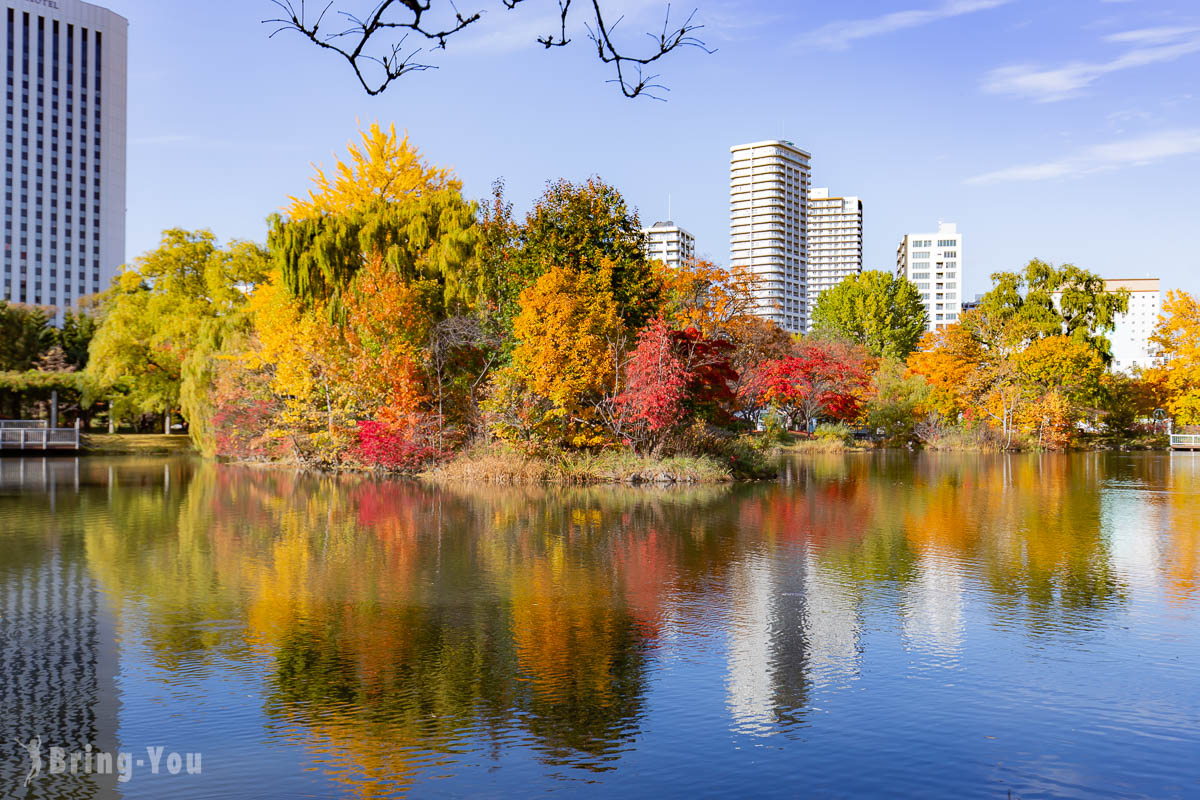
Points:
(1185, 441)
(25, 435)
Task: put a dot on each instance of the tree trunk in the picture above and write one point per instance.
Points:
(167, 423)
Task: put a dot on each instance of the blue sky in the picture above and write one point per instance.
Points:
(1067, 130)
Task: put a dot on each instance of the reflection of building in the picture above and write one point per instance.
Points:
(1131, 336)
(768, 221)
(749, 690)
(934, 262)
(794, 625)
(835, 230)
(58, 658)
(830, 625)
(64, 227)
(933, 607)
(670, 244)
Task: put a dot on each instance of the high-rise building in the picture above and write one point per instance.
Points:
(835, 230)
(768, 225)
(669, 243)
(1131, 335)
(934, 262)
(64, 192)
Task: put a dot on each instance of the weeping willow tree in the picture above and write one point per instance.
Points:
(430, 237)
(382, 201)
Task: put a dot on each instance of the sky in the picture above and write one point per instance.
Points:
(1066, 130)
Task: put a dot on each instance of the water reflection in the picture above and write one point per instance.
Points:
(393, 632)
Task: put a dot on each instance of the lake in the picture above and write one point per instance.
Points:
(869, 625)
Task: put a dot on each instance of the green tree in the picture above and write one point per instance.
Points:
(1057, 301)
(876, 309)
(588, 228)
(897, 399)
(75, 336)
(25, 334)
(151, 319)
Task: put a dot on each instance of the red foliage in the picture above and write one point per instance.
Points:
(380, 445)
(655, 380)
(820, 381)
(710, 375)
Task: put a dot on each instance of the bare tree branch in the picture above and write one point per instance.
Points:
(394, 21)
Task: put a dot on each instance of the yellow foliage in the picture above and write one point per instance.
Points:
(706, 297)
(298, 346)
(946, 359)
(383, 167)
(569, 339)
(1050, 420)
(1177, 337)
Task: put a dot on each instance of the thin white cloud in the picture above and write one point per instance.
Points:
(1143, 150)
(1153, 46)
(839, 35)
(1151, 36)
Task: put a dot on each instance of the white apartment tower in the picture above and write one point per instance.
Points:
(64, 192)
(1130, 337)
(670, 244)
(934, 262)
(835, 231)
(768, 225)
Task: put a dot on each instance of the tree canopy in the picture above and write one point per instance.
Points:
(152, 316)
(1056, 301)
(876, 309)
(383, 202)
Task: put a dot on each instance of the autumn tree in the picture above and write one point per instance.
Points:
(382, 202)
(1045, 300)
(589, 228)
(651, 404)
(711, 299)
(150, 320)
(945, 359)
(1176, 377)
(822, 380)
(876, 309)
(568, 357)
(756, 341)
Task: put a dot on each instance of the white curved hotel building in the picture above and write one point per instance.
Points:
(64, 178)
(768, 225)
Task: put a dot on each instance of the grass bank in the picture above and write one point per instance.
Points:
(499, 464)
(823, 446)
(144, 444)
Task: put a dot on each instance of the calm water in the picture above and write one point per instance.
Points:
(869, 626)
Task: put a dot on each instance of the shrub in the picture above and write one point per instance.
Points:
(381, 446)
(835, 432)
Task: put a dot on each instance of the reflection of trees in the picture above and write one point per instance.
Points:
(398, 619)
(398, 622)
(1182, 562)
(1029, 527)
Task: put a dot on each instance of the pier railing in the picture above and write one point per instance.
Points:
(1185, 441)
(36, 435)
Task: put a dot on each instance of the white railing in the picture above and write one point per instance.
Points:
(1185, 440)
(39, 438)
(23, 423)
